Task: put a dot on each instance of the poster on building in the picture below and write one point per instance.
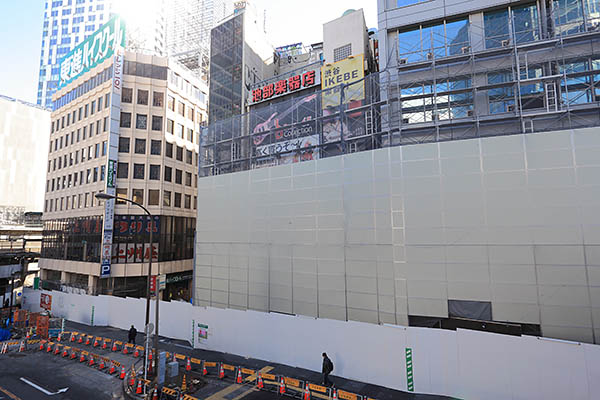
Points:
(286, 131)
(344, 72)
(46, 301)
(130, 253)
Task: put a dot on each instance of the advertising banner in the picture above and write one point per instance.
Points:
(344, 72)
(284, 132)
(282, 87)
(99, 46)
(130, 225)
(46, 301)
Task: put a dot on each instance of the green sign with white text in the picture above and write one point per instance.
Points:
(98, 47)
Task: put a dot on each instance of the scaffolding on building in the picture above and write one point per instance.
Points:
(510, 81)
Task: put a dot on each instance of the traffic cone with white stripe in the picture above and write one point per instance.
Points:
(122, 374)
(56, 350)
(81, 357)
(259, 382)
(238, 378)
(87, 341)
(22, 346)
(4, 348)
(281, 386)
(125, 351)
(91, 361)
(65, 352)
(306, 392)
(73, 354)
(49, 348)
(58, 338)
(72, 337)
(114, 347)
(95, 342)
(188, 365)
(102, 365)
(138, 390)
(80, 340)
(136, 353)
(132, 379)
(155, 393)
(174, 358)
(104, 344)
(334, 395)
(111, 370)
(42, 345)
(204, 371)
(221, 371)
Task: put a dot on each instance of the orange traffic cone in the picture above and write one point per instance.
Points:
(125, 350)
(238, 378)
(73, 354)
(56, 349)
(114, 348)
(306, 392)
(122, 375)
(58, 338)
(136, 353)
(281, 386)
(81, 357)
(221, 371)
(150, 367)
(95, 342)
(188, 365)
(259, 382)
(65, 352)
(204, 371)
(155, 393)
(132, 379)
(72, 337)
(138, 390)
(334, 394)
(111, 370)
(4, 349)
(91, 361)
(174, 358)
(104, 344)
(22, 346)
(183, 385)
(101, 366)
(80, 340)
(49, 348)
(150, 355)
(87, 341)
(42, 345)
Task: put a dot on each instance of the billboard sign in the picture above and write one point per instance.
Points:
(46, 301)
(282, 87)
(94, 50)
(346, 72)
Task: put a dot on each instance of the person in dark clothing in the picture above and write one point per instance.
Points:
(327, 368)
(132, 334)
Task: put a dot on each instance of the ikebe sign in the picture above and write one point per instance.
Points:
(93, 51)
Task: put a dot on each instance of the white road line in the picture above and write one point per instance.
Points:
(41, 389)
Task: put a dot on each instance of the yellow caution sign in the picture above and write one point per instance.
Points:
(317, 388)
(247, 371)
(291, 382)
(268, 376)
(195, 360)
(179, 356)
(347, 395)
(228, 367)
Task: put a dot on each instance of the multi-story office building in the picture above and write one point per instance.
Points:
(69, 22)
(464, 192)
(188, 31)
(142, 144)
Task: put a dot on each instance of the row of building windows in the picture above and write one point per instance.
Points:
(139, 172)
(82, 89)
(141, 121)
(99, 126)
(82, 113)
(142, 97)
(87, 153)
(502, 28)
(155, 149)
(145, 70)
(88, 200)
(91, 175)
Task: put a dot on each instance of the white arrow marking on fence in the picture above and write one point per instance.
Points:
(41, 389)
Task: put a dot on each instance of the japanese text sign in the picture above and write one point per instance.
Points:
(343, 72)
(98, 47)
(284, 86)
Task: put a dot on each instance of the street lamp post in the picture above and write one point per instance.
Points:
(105, 196)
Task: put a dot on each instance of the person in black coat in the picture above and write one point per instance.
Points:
(327, 368)
(132, 334)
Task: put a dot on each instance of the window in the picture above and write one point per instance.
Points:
(85, 111)
(188, 179)
(102, 172)
(153, 197)
(91, 130)
(178, 176)
(104, 144)
(155, 146)
(124, 145)
(179, 153)
(107, 100)
(142, 97)
(168, 174)
(180, 130)
(95, 179)
(171, 103)
(195, 201)
(191, 113)
(125, 120)
(157, 99)
(188, 201)
(181, 108)
(497, 26)
(169, 150)
(138, 196)
(121, 194)
(189, 157)
(105, 124)
(156, 123)
(190, 135)
(342, 53)
(440, 40)
(141, 121)
(140, 146)
(169, 126)
(139, 171)
(99, 103)
(166, 198)
(178, 200)
(127, 95)
(92, 108)
(154, 172)
(122, 170)
(97, 150)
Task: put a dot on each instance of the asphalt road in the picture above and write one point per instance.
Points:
(51, 373)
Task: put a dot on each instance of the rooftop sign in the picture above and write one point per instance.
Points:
(92, 51)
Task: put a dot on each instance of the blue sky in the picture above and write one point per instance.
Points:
(20, 45)
(21, 34)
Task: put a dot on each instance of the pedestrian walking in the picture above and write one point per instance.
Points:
(132, 334)
(327, 368)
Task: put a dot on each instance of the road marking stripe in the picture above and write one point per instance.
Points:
(264, 370)
(221, 394)
(9, 394)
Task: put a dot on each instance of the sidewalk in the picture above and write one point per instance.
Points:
(182, 347)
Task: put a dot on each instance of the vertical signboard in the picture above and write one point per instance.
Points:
(112, 157)
(410, 385)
